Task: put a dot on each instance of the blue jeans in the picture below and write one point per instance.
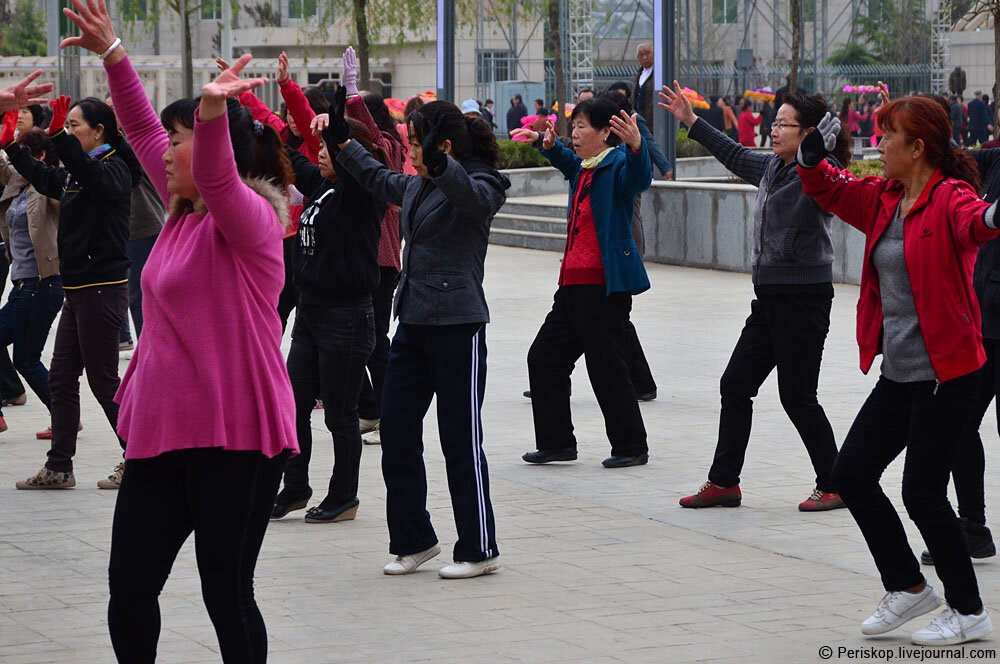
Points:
(138, 253)
(25, 322)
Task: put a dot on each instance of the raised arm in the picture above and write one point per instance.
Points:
(469, 194)
(242, 215)
(260, 112)
(839, 192)
(107, 178)
(383, 183)
(139, 121)
(298, 107)
(308, 178)
(47, 180)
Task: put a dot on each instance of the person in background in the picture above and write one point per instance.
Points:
(767, 114)
(655, 152)
(715, 116)
(747, 123)
(957, 116)
(145, 223)
(31, 117)
(488, 113)
(540, 108)
(729, 120)
(29, 224)
(470, 107)
(516, 111)
(979, 120)
(957, 81)
(644, 86)
(413, 104)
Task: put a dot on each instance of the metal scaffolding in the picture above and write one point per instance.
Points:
(941, 26)
(580, 46)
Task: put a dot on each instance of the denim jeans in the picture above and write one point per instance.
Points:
(138, 253)
(25, 321)
(330, 347)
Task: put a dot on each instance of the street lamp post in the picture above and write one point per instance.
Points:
(664, 72)
(446, 50)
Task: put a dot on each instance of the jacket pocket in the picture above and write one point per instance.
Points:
(624, 270)
(447, 281)
(788, 244)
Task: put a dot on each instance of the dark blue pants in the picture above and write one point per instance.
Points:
(138, 253)
(370, 401)
(25, 322)
(448, 361)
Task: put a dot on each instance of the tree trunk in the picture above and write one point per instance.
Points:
(361, 25)
(555, 30)
(793, 76)
(187, 66)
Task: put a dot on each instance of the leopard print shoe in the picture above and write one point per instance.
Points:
(48, 479)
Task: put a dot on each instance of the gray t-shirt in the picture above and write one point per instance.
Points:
(904, 355)
(22, 251)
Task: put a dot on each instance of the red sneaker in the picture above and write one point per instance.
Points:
(47, 434)
(3, 424)
(820, 501)
(710, 495)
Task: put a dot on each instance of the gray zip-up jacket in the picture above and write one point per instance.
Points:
(791, 233)
(445, 225)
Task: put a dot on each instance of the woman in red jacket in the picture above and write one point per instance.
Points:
(923, 224)
(747, 124)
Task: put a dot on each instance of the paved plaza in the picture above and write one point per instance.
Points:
(599, 565)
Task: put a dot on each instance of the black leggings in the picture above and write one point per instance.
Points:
(970, 460)
(225, 498)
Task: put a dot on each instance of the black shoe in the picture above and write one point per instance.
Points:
(547, 456)
(978, 540)
(646, 396)
(345, 512)
(626, 461)
(289, 501)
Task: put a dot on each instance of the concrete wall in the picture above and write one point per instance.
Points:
(711, 226)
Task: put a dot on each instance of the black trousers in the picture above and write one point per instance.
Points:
(10, 382)
(370, 401)
(786, 331)
(330, 346)
(584, 321)
(970, 460)
(225, 499)
(288, 297)
(910, 416)
(448, 361)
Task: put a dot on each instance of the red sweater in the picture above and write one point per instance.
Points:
(747, 122)
(942, 233)
(582, 264)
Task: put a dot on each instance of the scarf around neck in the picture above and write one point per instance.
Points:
(594, 162)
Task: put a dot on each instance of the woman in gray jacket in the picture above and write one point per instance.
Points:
(440, 342)
(793, 284)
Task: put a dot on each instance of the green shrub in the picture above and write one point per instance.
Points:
(519, 154)
(861, 169)
(687, 147)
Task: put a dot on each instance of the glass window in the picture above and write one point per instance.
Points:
(724, 11)
(301, 8)
(211, 9)
(134, 10)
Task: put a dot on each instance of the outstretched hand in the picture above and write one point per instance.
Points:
(227, 84)
(526, 133)
(349, 77)
(282, 67)
(337, 131)
(430, 147)
(60, 109)
(624, 126)
(23, 94)
(9, 125)
(883, 92)
(677, 104)
(96, 32)
(221, 64)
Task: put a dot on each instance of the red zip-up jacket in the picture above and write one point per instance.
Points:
(941, 235)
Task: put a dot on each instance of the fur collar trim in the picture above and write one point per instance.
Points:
(265, 188)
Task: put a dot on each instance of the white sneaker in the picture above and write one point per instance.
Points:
(373, 437)
(367, 425)
(896, 608)
(467, 570)
(951, 627)
(409, 564)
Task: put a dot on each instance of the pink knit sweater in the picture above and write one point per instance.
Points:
(208, 370)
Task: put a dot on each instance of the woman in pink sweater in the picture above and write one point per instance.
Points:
(197, 460)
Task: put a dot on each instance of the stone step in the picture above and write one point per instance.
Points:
(528, 239)
(526, 222)
(553, 210)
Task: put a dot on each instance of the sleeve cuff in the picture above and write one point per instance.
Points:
(989, 217)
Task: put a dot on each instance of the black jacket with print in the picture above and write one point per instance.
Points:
(336, 249)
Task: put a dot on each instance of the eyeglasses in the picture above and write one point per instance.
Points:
(782, 126)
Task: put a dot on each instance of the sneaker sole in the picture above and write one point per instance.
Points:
(110, 486)
(489, 569)
(433, 553)
(925, 606)
(822, 509)
(974, 634)
(728, 503)
(29, 487)
(552, 460)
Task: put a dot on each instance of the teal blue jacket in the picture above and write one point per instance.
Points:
(618, 179)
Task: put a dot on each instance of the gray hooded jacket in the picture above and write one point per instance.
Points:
(791, 233)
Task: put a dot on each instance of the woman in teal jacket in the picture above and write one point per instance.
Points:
(601, 270)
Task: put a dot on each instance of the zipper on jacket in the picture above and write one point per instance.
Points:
(937, 384)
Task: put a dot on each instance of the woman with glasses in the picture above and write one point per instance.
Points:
(793, 283)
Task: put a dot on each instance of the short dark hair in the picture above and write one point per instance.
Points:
(37, 114)
(540, 102)
(518, 97)
(490, 101)
(598, 112)
(623, 86)
(471, 136)
(37, 141)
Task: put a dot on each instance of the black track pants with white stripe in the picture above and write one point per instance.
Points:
(448, 361)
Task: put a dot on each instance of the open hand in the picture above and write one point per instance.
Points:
(883, 92)
(526, 133)
(337, 132)
(349, 77)
(221, 64)
(22, 94)
(229, 83)
(96, 32)
(319, 123)
(678, 105)
(624, 126)
(549, 139)
(282, 67)
(60, 109)
(9, 124)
